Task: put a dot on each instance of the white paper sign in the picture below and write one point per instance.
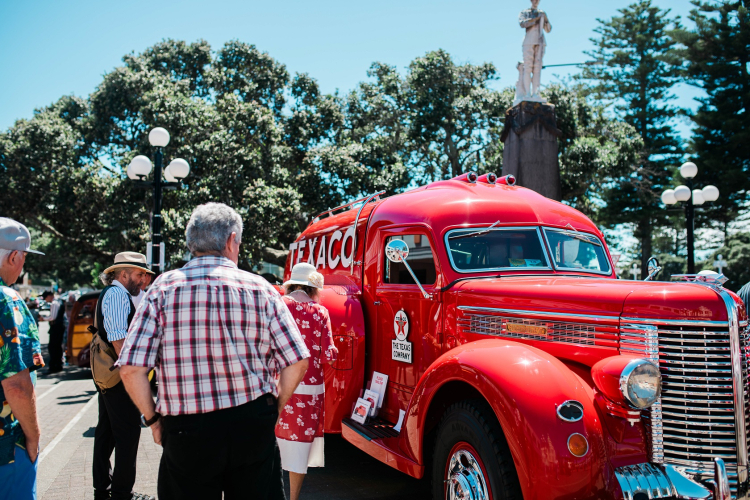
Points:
(373, 398)
(379, 383)
(361, 409)
(401, 415)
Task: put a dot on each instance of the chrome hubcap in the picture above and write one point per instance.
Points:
(465, 479)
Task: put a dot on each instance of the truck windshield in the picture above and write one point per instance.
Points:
(573, 250)
(488, 249)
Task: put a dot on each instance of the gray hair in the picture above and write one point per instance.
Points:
(210, 226)
(4, 253)
(107, 278)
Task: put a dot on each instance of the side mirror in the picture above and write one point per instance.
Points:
(397, 251)
(653, 268)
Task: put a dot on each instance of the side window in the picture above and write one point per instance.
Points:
(421, 260)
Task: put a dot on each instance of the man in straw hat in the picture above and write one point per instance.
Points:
(20, 356)
(218, 337)
(119, 426)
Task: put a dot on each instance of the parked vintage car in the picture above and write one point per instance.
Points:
(524, 366)
(79, 338)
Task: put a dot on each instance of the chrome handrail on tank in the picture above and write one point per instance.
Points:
(345, 205)
(356, 220)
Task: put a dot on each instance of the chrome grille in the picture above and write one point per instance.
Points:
(550, 331)
(694, 420)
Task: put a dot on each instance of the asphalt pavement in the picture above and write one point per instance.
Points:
(68, 413)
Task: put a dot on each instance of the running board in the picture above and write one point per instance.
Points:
(377, 429)
(380, 441)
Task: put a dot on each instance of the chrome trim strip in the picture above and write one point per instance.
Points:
(542, 246)
(677, 322)
(541, 314)
(738, 383)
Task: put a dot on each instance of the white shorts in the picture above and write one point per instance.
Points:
(297, 456)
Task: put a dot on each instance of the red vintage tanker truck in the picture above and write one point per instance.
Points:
(525, 368)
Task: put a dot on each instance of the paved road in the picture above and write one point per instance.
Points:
(68, 414)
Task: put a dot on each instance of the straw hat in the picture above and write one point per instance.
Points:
(305, 274)
(130, 259)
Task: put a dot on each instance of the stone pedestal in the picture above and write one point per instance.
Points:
(530, 153)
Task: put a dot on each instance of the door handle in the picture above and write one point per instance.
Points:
(376, 303)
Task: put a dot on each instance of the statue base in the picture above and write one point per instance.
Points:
(529, 98)
(530, 152)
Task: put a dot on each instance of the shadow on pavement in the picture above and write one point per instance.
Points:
(350, 473)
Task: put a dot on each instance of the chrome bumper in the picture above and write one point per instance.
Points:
(647, 481)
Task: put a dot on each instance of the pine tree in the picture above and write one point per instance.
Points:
(717, 52)
(640, 66)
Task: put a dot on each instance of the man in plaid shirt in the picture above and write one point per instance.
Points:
(218, 337)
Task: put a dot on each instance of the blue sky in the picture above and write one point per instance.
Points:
(55, 48)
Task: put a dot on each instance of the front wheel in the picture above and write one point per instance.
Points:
(471, 459)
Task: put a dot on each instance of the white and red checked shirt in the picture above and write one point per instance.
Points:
(217, 336)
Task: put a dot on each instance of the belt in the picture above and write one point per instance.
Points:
(310, 390)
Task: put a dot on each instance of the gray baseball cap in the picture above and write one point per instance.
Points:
(15, 236)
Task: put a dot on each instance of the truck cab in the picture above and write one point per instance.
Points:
(523, 367)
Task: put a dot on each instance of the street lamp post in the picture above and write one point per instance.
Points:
(691, 197)
(138, 170)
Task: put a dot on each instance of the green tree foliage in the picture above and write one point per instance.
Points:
(593, 148)
(640, 66)
(717, 52)
(452, 109)
(267, 143)
(736, 251)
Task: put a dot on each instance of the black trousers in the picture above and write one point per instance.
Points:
(55, 348)
(119, 430)
(232, 451)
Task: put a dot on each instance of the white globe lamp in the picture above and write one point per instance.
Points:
(168, 175)
(158, 137)
(710, 193)
(698, 197)
(688, 170)
(179, 168)
(682, 193)
(130, 173)
(667, 197)
(140, 166)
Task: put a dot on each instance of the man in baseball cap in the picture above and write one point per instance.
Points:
(20, 355)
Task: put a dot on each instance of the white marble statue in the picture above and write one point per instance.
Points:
(535, 22)
(520, 90)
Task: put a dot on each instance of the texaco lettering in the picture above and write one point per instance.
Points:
(323, 251)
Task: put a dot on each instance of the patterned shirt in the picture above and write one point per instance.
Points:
(115, 310)
(217, 335)
(19, 351)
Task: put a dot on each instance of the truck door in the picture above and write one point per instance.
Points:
(410, 325)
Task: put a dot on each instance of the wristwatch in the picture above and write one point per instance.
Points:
(151, 421)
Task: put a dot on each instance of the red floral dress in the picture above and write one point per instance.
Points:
(302, 418)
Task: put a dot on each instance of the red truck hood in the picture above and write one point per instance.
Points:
(594, 296)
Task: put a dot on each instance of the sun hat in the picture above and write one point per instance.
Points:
(129, 259)
(305, 274)
(15, 236)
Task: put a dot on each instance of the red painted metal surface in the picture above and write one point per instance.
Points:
(562, 324)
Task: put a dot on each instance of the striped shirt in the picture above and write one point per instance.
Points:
(217, 336)
(116, 309)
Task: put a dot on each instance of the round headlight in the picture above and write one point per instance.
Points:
(640, 383)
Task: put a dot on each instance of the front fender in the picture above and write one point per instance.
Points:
(524, 386)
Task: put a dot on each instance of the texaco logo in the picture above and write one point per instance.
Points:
(401, 325)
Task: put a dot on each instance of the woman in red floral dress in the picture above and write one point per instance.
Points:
(300, 428)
